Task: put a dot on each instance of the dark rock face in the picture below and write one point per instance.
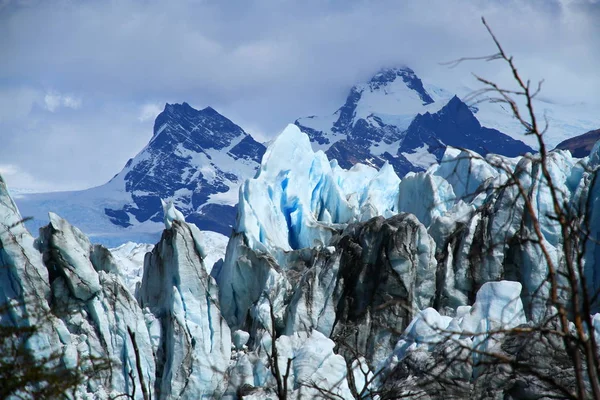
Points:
(580, 146)
(214, 217)
(179, 162)
(314, 134)
(248, 149)
(348, 153)
(455, 125)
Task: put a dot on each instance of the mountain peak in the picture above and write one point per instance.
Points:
(179, 110)
(386, 76)
(455, 125)
(209, 110)
(178, 107)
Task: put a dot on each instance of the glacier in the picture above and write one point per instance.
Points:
(348, 281)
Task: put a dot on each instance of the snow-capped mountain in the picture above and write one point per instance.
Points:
(196, 158)
(395, 118)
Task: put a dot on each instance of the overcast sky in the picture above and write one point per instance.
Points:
(82, 81)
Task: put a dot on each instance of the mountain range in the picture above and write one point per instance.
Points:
(198, 158)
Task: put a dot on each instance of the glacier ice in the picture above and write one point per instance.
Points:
(294, 202)
(195, 340)
(314, 368)
(130, 258)
(70, 291)
(473, 220)
(344, 271)
(25, 290)
(102, 316)
(171, 213)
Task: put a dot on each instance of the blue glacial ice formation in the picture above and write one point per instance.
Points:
(324, 263)
(181, 301)
(297, 214)
(71, 292)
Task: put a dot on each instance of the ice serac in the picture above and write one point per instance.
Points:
(487, 237)
(315, 369)
(361, 293)
(386, 274)
(425, 195)
(69, 252)
(194, 341)
(102, 318)
(25, 292)
(289, 235)
(430, 342)
(588, 207)
(70, 292)
(23, 263)
(295, 202)
(130, 257)
(325, 248)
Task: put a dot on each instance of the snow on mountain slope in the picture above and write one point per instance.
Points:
(196, 158)
(370, 125)
(565, 121)
(193, 156)
(397, 118)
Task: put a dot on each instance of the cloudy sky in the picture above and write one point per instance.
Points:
(82, 81)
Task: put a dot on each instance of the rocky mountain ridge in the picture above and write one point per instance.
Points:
(580, 146)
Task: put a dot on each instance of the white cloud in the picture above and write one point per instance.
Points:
(54, 100)
(17, 102)
(8, 169)
(71, 102)
(262, 63)
(20, 181)
(149, 111)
